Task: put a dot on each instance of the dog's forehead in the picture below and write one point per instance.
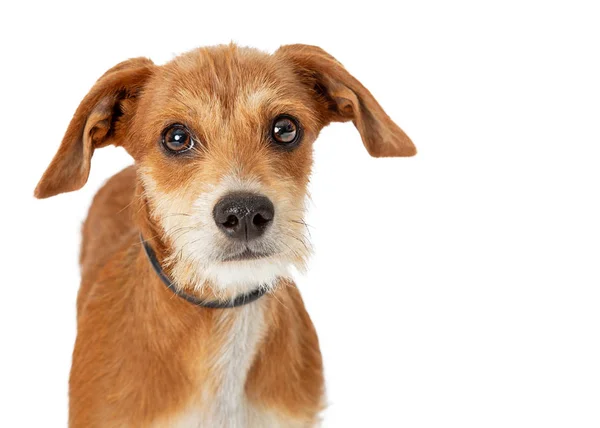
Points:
(224, 77)
(221, 72)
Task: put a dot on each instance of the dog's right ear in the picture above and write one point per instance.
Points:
(102, 118)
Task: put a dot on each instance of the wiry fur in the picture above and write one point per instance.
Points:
(144, 357)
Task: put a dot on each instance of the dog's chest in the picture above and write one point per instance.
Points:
(227, 406)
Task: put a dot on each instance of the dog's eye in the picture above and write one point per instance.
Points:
(286, 131)
(176, 138)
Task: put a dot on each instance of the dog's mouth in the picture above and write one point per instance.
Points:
(247, 254)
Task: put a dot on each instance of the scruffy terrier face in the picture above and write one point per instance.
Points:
(222, 139)
(225, 169)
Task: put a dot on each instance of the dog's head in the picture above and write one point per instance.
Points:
(222, 140)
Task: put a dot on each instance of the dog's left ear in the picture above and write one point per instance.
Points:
(341, 98)
(102, 118)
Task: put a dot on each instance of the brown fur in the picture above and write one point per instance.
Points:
(140, 353)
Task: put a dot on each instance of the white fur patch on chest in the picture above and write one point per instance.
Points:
(228, 407)
(242, 329)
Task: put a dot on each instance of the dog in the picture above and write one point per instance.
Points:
(186, 314)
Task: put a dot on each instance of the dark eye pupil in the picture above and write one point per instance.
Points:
(177, 139)
(284, 130)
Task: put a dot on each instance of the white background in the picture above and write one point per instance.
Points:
(459, 288)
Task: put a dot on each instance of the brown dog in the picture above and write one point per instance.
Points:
(186, 313)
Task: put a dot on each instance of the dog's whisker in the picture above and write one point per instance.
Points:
(297, 238)
(177, 214)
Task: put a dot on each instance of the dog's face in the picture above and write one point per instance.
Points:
(222, 139)
(225, 146)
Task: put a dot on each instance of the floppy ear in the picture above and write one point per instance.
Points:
(344, 98)
(101, 119)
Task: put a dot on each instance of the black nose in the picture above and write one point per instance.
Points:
(243, 216)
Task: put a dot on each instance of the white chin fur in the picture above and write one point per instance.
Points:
(246, 275)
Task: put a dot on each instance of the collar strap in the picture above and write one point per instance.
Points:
(240, 300)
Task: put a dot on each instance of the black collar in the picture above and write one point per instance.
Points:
(214, 304)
